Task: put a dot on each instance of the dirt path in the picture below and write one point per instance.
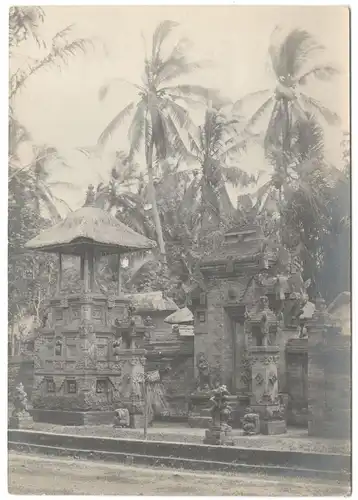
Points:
(36, 475)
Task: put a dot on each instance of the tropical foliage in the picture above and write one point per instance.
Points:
(179, 195)
(32, 204)
(161, 110)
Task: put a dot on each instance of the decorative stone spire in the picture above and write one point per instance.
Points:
(90, 196)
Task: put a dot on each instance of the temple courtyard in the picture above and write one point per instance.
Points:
(34, 475)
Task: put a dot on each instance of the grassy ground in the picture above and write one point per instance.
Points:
(294, 440)
(37, 475)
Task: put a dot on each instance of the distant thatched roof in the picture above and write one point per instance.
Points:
(152, 301)
(90, 225)
(181, 316)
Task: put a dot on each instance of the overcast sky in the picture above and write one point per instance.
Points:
(63, 109)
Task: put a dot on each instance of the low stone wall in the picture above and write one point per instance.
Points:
(279, 461)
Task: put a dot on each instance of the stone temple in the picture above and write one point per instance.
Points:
(246, 327)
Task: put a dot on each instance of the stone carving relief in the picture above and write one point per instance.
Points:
(204, 375)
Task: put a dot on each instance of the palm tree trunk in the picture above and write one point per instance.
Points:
(151, 189)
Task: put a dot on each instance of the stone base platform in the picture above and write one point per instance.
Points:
(61, 417)
(219, 437)
(273, 427)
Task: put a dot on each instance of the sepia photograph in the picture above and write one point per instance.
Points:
(179, 250)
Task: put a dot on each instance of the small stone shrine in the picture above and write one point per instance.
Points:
(86, 360)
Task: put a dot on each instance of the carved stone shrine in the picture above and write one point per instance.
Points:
(86, 359)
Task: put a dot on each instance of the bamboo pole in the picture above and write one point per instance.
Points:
(145, 428)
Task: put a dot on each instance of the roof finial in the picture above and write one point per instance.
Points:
(90, 196)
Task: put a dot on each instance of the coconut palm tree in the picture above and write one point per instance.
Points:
(292, 62)
(215, 146)
(61, 50)
(160, 113)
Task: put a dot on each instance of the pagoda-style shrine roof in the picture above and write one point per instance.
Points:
(179, 317)
(152, 301)
(241, 243)
(90, 226)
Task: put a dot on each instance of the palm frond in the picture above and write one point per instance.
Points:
(236, 176)
(61, 51)
(312, 104)
(136, 129)
(160, 34)
(193, 103)
(178, 143)
(294, 52)
(180, 114)
(194, 90)
(112, 126)
(238, 105)
(104, 89)
(259, 113)
(175, 68)
(324, 73)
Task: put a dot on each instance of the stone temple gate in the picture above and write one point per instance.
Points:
(248, 306)
(86, 356)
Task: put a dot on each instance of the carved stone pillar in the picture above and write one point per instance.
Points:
(263, 357)
(265, 397)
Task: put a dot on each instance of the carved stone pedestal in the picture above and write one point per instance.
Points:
(219, 436)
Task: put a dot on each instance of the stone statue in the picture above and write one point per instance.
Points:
(20, 400)
(251, 422)
(20, 417)
(220, 410)
(297, 299)
(58, 347)
(121, 418)
(204, 378)
(220, 431)
(117, 346)
(127, 334)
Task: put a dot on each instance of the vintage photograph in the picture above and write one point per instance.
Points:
(179, 251)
